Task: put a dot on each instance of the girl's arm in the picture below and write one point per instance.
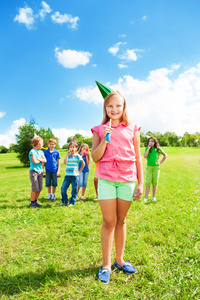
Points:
(139, 166)
(83, 165)
(87, 160)
(163, 159)
(98, 146)
(147, 152)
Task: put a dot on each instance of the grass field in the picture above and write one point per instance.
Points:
(54, 252)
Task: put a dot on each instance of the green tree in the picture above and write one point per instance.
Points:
(24, 137)
(3, 149)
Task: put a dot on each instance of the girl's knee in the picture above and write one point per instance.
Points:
(121, 222)
(109, 223)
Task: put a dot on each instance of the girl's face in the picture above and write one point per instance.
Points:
(84, 148)
(151, 143)
(115, 108)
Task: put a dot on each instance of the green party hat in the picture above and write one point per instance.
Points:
(105, 91)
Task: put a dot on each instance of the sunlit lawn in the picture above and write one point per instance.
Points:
(55, 253)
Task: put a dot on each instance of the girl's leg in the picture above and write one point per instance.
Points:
(154, 191)
(108, 209)
(120, 229)
(96, 185)
(147, 189)
(83, 191)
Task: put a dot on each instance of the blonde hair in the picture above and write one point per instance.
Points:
(52, 141)
(35, 141)
(106, 102)
(88, 150)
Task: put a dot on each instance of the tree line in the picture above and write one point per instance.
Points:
(29, 130)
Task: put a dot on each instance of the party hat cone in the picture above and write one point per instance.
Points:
(105, 91)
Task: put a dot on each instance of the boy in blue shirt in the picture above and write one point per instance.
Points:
(36, 157)
(71, 160)
(52, 167)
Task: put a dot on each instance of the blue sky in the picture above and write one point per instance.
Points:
(52, 52)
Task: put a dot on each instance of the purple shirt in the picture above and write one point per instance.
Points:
(118, 161)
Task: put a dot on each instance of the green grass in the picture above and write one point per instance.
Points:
(55, 253)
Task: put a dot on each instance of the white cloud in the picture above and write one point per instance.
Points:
(114, 49)
(89, 94)
(9, 137)
(122, 66)
(160, 102)
(72, 58)
(63, 134)
(2, 114)
(45, 10)
(66, 18)
(26, 17)
(129, 55)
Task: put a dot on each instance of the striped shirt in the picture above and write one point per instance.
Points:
(72, 164)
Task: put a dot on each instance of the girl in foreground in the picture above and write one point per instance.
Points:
(120, 167)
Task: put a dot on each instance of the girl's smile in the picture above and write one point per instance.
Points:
(114, 109)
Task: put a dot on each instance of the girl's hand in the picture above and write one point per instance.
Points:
(158, 163)
(138, 192)
(106, 129)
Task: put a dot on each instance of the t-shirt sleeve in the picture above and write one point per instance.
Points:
(95, 128)
(162, 151)
(136, 128)
(58, 155)
(79, 158)
(145, 150)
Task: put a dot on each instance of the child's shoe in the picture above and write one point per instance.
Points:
(82, 198)
(49, 197)
(53, 197)
(37, 204)
(32, 204)
(145, 200)
(104, 275)
(154, 199)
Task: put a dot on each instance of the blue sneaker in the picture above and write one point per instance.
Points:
(104, 275)
(32, 204)
(127, 267)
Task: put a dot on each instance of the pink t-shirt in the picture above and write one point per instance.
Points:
(118, 162)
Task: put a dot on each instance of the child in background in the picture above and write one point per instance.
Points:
(153, 166)
(120, 167)
(71, 160)
(83, 178)
(52, 167)
(36, 157)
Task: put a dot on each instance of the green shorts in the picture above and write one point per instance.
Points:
(152, 175)
(112, 190)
